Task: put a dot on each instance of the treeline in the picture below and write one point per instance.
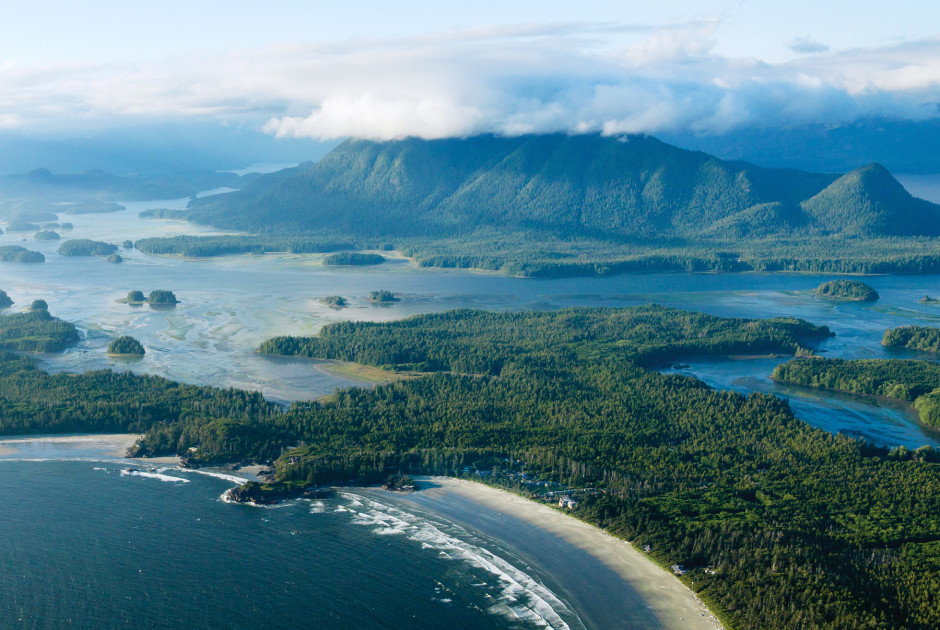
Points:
(913, 337)
(353, 258)
(206, 246)
(35, 331)
(851, 290)
(909, 380)
(86, 247)
(475, 342)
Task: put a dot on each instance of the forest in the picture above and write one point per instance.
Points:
(926, 338)
(831, 532)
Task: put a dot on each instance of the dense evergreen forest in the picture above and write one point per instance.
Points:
(800, 528)
(353, 258)
(851, 290)
(86, 247)
(15, 253)
(35, 330)
(925, 338)
(913, 381)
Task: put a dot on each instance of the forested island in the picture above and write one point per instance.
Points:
(46, 235)
(336, 301)
(382, 297)
(22, 226)
(848, 290)
(134, 297)
(204, 246)
(913, 381)
(162, 297)
(86, 247)
(926, 338)
(358, 259)
(126, 346)
(5, 300)
(115, 259)
(15, 253)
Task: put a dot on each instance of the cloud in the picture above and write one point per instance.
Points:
(807, 46)
(530, 78)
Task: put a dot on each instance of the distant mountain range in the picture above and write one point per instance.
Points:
(584, 185)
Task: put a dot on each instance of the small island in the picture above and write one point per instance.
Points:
(15, 253)
(22, 226)
(163, 213)
(134, 297)
(5, 300)
(128, 244)
(35, 330)
(66, 226)
(848, 290)
(382, 297)
(125, 346)
(115, 258)
(46, 235)
(334, 301)
(38, 305)
(356, 259)
(86, 247)
(162, 297)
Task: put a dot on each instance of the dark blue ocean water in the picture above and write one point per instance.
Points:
(85, 544)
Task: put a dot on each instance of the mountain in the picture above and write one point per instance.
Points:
(584, 185)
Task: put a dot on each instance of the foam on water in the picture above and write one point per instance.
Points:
(153, 475)
(521, 597)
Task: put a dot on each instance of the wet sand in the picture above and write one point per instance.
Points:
(607, 582)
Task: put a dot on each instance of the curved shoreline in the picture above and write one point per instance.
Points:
(618, 586)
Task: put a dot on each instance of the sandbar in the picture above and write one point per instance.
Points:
(609, 583)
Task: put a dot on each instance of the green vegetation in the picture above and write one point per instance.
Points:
(336, 301)
(598, 205)
(382, 297)
(33, 331)
(92, 206)
(128, 244)
(800, 528)
(135, 297)
(912, 381)
(5, 300)
(913, 337)
(126, 346)
(39, 305)
(162, 297)
(202, 246)
(22, 226)
(850, 290)
(115, 258)
(46, 235)
(66, 225)
(86, 247)
(15, 253)
(353, 258)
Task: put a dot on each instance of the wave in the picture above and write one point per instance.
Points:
(153, 475)
(209, 473)
(521, 597)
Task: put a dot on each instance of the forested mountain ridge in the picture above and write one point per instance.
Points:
(584, 185)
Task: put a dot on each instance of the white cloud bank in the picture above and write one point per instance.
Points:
(525, 79)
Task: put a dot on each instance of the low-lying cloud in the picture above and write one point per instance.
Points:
(527, 79)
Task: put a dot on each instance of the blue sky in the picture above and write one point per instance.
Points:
(432, 69)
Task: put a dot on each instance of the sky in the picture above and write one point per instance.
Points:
(327, 70)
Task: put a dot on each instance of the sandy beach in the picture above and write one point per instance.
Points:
(610, 584)
(63, 446)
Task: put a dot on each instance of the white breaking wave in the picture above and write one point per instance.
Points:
(522, 597)
(209, 473)
(151, 475)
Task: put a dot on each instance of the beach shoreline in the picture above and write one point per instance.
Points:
(666, 601)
